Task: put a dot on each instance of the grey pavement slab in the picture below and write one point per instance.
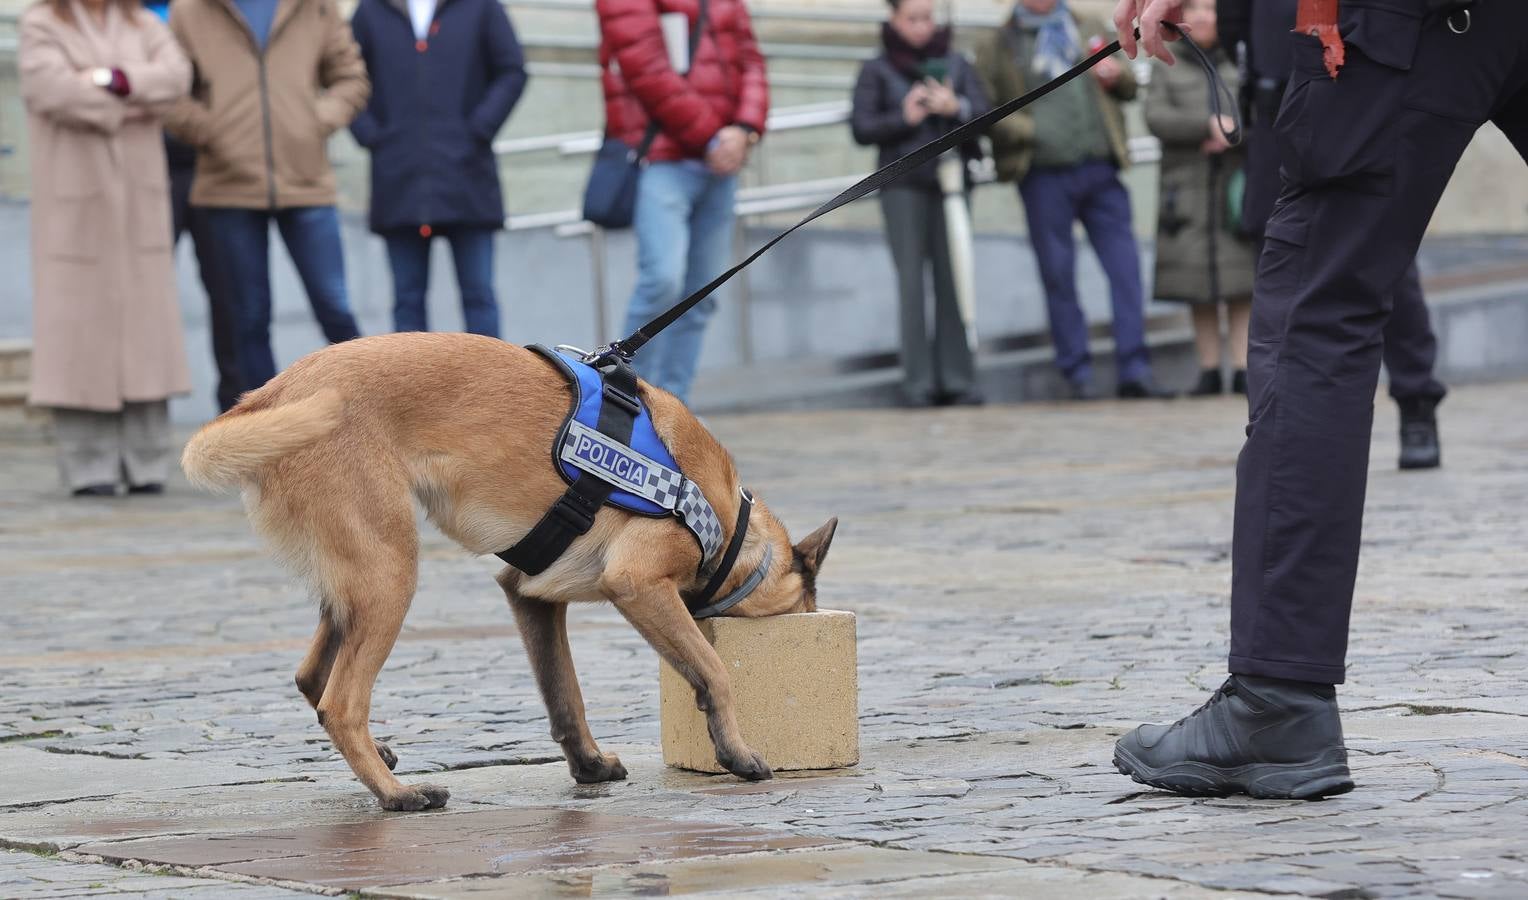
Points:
(42, 777)
(27, 877)
(1029, 581)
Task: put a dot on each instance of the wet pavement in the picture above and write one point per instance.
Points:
(1029, 582)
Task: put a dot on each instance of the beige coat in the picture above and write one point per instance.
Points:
(261, 121)
(106, 325)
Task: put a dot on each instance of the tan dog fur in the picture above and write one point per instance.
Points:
(332, 452)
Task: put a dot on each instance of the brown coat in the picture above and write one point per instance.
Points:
(1013, 137)
(261, 121)
(106, 322)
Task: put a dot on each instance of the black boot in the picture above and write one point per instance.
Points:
(1142, 389)
(1239, 381)
(1420, 448)
(1210, 384)
(1266, 737)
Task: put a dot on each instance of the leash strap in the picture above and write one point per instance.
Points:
(626, 347)
(573, 513)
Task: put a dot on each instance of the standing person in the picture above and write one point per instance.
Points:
(274, 78)
(185, 218)
(1065, 153)
(1266, 29)
(1202, 260)
(1422, 75)
(108, 351)
(709, 117)
(444, 77)
(916, 91)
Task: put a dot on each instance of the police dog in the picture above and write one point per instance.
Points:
(329, 455)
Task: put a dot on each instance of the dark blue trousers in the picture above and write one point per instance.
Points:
(408, 253)
(1365, 159)
(1055, 199)
(312, 238)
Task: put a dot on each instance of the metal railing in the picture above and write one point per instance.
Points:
(751, 203)
(572, 143)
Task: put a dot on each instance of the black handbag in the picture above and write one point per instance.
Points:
(610, 196)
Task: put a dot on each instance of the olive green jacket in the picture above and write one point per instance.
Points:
(1006, 78)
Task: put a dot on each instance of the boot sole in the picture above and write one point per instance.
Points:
(1325, 776)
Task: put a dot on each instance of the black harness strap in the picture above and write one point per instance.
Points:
(735, 546)
(573, 513)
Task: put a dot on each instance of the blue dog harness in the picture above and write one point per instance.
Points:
(609, 453)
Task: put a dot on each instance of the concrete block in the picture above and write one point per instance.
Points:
(795, 684)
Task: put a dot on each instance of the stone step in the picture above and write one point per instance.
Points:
(15, 359)
(15, 414)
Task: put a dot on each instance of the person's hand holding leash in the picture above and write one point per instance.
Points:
(1152, 15)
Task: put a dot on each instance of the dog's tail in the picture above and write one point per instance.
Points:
(232, 448)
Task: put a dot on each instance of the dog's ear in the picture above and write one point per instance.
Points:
(814, 547)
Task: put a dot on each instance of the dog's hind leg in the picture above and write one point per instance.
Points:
(544, 629)
(366, 559)
(656, 610)
(313, 674)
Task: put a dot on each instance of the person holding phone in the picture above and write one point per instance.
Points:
(914, 92)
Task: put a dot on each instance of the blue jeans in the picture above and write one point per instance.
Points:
(472, 248)
(1055, 198)
(312, 238)
(684, 239)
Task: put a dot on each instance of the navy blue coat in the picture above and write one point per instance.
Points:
(435, 107)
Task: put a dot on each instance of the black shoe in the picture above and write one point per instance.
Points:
(1239, 382)
(1420, 448)
(1142, 390)
(1269, 738)
(1210, 384)
(960, 398)
(153, 487)
(1083, 390)
(96, 490)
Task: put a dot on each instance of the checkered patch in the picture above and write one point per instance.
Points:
(612, 461)
(701, 519)
(664, 487)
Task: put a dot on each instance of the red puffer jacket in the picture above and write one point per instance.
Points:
(726, 84)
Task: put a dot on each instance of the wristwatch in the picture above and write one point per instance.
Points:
(101, 77)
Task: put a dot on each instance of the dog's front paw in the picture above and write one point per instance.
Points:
(389, 758)
(605, 767)
(747, 765)
(417, 797)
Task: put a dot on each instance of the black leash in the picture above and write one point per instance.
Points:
(624, 349)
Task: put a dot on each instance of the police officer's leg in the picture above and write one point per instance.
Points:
(1366, 158)
(1411, 350)
(1512, 119)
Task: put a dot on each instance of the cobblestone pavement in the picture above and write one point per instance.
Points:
(1030, 581)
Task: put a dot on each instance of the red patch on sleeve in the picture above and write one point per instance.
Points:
(1319, 19)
